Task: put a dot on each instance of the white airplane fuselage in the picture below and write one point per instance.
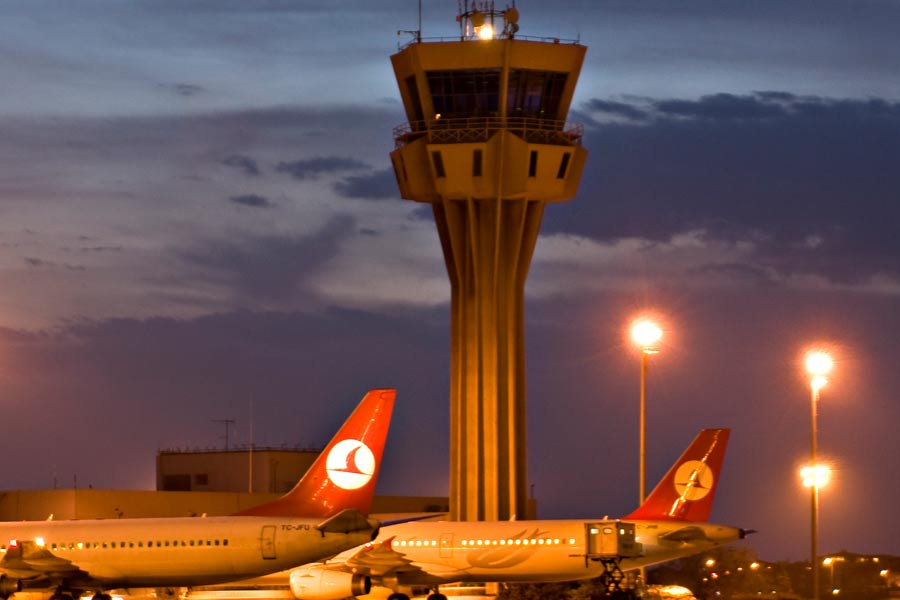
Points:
(533, 550)
(177, 551)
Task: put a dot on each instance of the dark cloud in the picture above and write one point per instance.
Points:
(613, 108)
(37, 262)
(271, 271)
(92, 249)
(187, 89)
(101, 249)
(722, 107)
(244, 163)
(310, 168)
(378, 184)
(252, 200)
(811, 182)
(743, 273)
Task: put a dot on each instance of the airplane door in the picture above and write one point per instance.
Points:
(267, 542)
(601, 539)
(446, 548)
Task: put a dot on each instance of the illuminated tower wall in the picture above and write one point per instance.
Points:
(487, 146)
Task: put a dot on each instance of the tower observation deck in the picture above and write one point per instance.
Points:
(488, 147)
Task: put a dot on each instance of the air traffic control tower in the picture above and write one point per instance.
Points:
(487, 145)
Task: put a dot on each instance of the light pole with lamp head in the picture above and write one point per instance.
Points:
(818, 365)
(645, 334)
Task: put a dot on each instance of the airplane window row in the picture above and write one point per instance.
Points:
(506, 542)
(517, 542)
(138, 544)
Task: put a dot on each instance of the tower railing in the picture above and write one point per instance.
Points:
(479, 129)
(418, 39)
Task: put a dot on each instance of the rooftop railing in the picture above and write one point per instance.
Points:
(479, 129)
(528, 38)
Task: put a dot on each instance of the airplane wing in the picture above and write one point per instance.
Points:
(380, 560)
(31, 561)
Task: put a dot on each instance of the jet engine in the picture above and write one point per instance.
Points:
(316, 583)
(9, 586)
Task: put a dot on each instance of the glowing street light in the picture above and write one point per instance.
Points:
(645, 334)
(818, 365)
(815, 475)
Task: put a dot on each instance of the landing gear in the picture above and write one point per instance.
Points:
(434, 595)
(62, 595)
(102, 596)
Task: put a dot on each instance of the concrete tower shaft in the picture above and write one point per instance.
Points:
(487, 146)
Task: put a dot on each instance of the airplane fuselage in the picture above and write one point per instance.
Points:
(173, 552)
(534, 550)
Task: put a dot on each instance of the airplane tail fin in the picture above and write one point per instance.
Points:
(344, 475)
(686, 492)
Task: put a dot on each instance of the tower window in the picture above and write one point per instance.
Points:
(465, 93)
(413, 91)
(563, 165)
(535, 93)
(476, 163)
(532, 164)
(438, 163)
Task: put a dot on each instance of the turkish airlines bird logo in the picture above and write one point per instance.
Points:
(693, 480)
(350, 464)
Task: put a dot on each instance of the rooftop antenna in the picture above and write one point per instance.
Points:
(417, 34)
(228, 423)
(477, 19)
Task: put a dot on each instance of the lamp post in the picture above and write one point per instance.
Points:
(645, 334)
(818, 365)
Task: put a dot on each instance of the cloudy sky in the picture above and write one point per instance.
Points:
(198, 221)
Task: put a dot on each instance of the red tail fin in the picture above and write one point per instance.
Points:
(686, 492)
(344, 475)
